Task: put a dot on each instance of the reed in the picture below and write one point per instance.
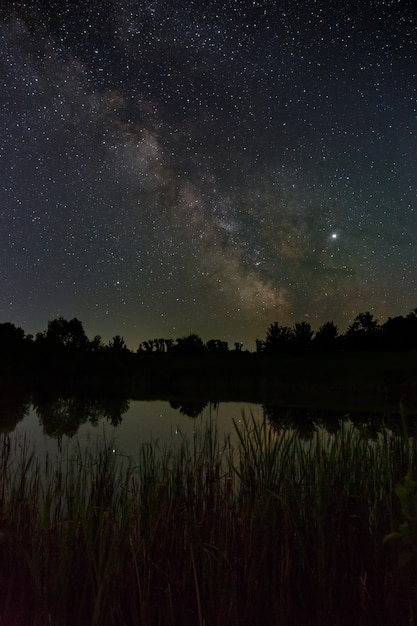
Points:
(272, 530)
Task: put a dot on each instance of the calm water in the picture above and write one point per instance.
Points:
(142, 423)
(56, 424)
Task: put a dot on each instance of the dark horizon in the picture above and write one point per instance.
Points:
(364, 332)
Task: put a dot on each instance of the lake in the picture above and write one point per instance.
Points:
(143, 422)
(55, 424)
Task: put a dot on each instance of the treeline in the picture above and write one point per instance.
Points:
(65, 342)
(189, 345)
(63, 348)
(365, 333)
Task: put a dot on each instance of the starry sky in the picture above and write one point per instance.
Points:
(173, 167)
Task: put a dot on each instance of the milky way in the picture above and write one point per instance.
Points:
(207, 167)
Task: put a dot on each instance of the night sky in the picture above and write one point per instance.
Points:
(207, 167)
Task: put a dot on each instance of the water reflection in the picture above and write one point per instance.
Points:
(133, 422)
(63, 415)
(14, 406)
(307, 421)
(191, 409)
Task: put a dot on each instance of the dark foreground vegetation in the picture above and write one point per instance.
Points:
(273, 531)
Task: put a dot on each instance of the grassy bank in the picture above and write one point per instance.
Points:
(273, 531)
(324, 380)
(341, 381)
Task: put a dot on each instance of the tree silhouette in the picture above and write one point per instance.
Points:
(63, 348)
(217, 345)
(146, 346)
(169, 343)
(363, 333)
(364, 322)
(301, 337)
(96, 344)
(326, 338)
(117, 344)
(278, 339)
(190, 345)
(67, 333)
(259, 345)
(15, 348)
(400, 333)
(11, 337)
(156, 345)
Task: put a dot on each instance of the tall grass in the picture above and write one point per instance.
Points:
(273, 530)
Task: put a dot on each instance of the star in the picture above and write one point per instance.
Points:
(177, 165)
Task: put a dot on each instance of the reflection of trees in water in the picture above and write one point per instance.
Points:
(14, 406)
(331, 421)
(369, 424)
(282, 418)
(63, 415)
(305, 422)
(191, 409)
(113, 407)
(279, 417)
